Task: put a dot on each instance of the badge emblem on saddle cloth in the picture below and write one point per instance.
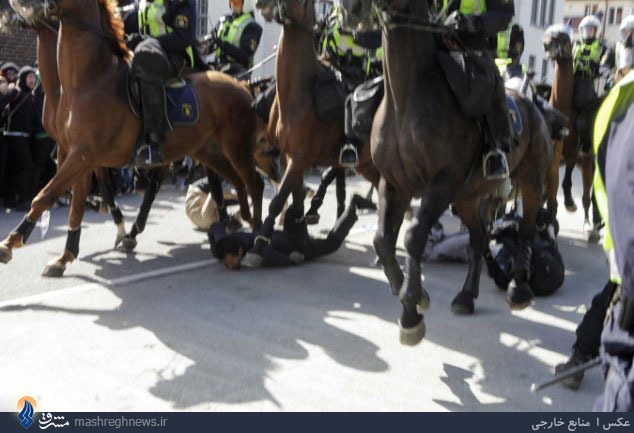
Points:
(471, 79)
(514, 116)
(182, 102)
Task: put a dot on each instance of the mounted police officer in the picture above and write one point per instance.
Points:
(477, 23)
(587, 52)
(236, 38)
(614, 150)
(510, 46)
(351, 55)
(624, 61)
(162, 34)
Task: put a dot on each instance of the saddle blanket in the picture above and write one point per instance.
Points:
(514, 116)
(182, 103)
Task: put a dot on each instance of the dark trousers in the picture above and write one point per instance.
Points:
(589, 330)
(497, 117)
(314, 248)
(4, 148)
(19, 168)
(40, 151)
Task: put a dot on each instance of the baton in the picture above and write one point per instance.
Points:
(257, 66)
(565, 375)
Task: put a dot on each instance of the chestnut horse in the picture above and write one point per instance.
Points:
(302, 137)
(423, 145)
(92, 66)
(557, 43)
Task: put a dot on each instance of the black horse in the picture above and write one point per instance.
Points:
(424, 146)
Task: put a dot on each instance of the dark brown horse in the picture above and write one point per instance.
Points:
(92, 66)
(303, 139)
(558, 45)
(423, 145)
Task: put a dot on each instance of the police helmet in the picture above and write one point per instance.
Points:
(627, 27)
(589, 27)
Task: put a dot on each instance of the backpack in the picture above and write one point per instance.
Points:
(363, 103)
(329, 96)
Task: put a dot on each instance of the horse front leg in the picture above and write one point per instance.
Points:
(107, 194)
(472, 218)
(391, 210)
(552, 182)
(566, 185)
(293, 179)
(157, 175)
(56, 267)
(71, 169)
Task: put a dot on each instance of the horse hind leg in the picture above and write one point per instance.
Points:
(330, 174)
(107, 194)
(473, 215)
(566, 185)
(157, 175)
(254, 185)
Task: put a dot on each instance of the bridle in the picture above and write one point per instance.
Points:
(392, 19)
(52, 8)
(283, 18)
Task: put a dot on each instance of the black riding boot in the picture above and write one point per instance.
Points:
(155, 124)
(150, 66)
(497, 118)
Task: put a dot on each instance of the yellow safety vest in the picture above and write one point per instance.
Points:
(372, 57)
(231, 32)
(341, 44)
(470, 7)
(151, 22)
(584, 53)
(618, 100)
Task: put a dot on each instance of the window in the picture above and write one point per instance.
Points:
(531, 62)
(591, 9)
(544, 70)
(542, 12)
(203, 6)
(619, 15)
(611, 16)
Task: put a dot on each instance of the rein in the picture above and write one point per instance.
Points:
(53, 9)
(390, 19)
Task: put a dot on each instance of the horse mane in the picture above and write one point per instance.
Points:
(113, 25)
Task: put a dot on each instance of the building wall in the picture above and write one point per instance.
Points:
(18, 47)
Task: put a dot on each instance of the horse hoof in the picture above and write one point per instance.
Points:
(129, 243)
(54, 271)
(5, 254)
(423, 303)
(594, 235)
(251, 260)
(462, 305)
(413, 335)
(570, 206)
(519, 295)
(312, 219)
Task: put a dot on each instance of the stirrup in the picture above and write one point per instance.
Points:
(349, 147)
(147, 156)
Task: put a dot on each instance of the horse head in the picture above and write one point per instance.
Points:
(283, 11)
(366, 14)
(557, 41)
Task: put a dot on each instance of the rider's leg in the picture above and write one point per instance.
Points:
(497, 118)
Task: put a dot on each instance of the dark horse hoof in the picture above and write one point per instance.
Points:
(570, 204)
(312, 219)
(54, 271)
(420, 302)
(462, 304)
(519, 295)
(5, 254)
(129, 243)
(413, 335)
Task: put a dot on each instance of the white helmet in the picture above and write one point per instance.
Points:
(248, 6)
(627, 26)
(589, 27)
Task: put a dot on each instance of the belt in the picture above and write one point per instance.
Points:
(16, 134)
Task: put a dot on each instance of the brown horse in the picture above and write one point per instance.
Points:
(557, 42)
(423, 145)
(302, 137)
(92, 66)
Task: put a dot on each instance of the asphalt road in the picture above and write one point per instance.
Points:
(167, 328)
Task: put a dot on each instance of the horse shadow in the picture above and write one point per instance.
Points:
(234, 328)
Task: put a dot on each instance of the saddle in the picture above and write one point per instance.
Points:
(182, 101)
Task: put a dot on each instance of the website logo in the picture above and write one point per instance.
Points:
(27, 406)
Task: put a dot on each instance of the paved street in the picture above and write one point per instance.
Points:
(167, 328)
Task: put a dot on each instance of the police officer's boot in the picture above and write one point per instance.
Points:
(497, 118)
(577, 358)
(151, 68)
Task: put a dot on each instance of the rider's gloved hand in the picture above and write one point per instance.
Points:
(464, 23)
(134, 39)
